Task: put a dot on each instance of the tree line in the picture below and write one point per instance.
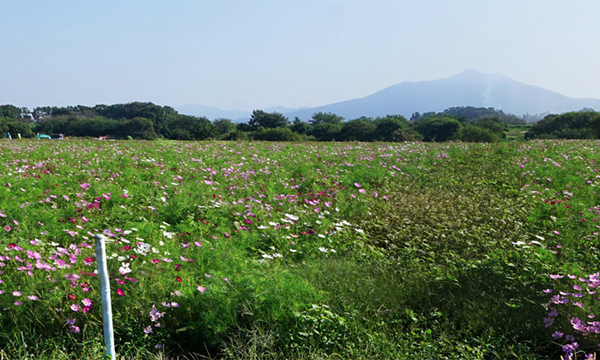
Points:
(145, 120)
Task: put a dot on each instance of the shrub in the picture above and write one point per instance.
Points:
(326, 131)
(15, 127)
(277, 134)
(358, 129)
(473, 133)
(438, 128)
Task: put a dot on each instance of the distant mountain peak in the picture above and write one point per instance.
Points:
(468, 88)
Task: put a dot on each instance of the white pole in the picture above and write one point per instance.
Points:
(109, 337)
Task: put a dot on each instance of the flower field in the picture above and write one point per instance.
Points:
(301, 250)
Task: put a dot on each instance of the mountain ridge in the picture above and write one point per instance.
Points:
(468, 88)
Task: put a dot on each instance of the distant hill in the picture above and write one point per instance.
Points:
(238, 115)
(211, 112)
(469, 88)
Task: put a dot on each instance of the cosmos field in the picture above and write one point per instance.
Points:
(301, 250)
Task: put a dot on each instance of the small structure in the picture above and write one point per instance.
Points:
(57, 137)
(7, 135)
(42, 136)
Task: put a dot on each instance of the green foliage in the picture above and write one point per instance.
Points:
(223, 128)
(394, 128)
(326, 131)
(472, 114)
(303, 250)
(267, 120)
(474, 133)
(155, 113)
(10, 111)
(571, 125)
(184, 127)
(358, 130)
(14, 127)
(494, 124)
(437, 128)
(276, 134)
(138, 128)
(300, 127)
(96, 127)
(327, 118)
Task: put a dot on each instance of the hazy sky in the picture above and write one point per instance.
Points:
(260, 54)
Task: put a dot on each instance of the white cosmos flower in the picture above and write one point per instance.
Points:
(293, 217)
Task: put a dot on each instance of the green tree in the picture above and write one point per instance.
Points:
(361, 129)
(155, 113)
(473, 133)
(96, 127)
(267, 120)
(300, 127)
(10, 111)
(326, 131)
(438, 128)
(184, 127)
(138, 128)
(327, 118)
(14, 127)
(571, 125)
(223, 128)
(277, 134)
(244, 127)
(386, 127)
(492, 123)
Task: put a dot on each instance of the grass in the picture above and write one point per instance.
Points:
(304, 250)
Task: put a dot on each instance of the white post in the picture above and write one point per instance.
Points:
(109, 337)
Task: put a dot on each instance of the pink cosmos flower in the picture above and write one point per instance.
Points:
(75, 307)
(7, 227)
(357, 185)
(201, 289)
(120, 292)
(74, 329)
(32, 297)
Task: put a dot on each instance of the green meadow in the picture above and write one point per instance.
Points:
(255, 250)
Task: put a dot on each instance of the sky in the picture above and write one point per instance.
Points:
(295, 53)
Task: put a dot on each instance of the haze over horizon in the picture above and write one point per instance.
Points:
(262, 54)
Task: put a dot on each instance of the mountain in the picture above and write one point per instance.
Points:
(238, 115)
(469, 88)
(284, 110)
